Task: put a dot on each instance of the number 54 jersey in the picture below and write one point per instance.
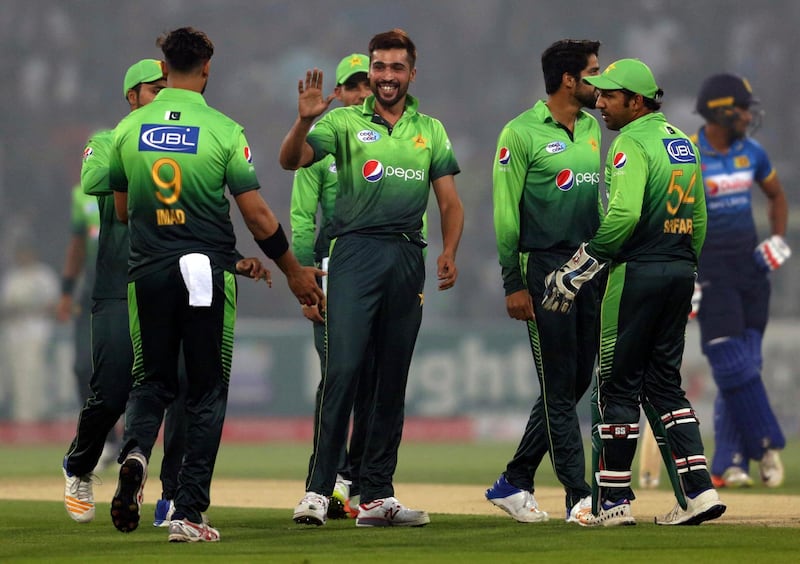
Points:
(656, 202)
(174, 158)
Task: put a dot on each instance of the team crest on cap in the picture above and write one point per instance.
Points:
(620, 159)
(565, 180)
(87, 153)
(372, 171)
(248, 156)
(504, 156)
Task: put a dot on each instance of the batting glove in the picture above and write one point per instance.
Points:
(562, 285)
(696, 297)
(772, 253)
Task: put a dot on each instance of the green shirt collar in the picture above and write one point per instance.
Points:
(410, 107)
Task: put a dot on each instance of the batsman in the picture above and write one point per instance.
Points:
(651, 239)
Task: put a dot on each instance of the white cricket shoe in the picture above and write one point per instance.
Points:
(126, 505)
(704, 507)
(183, 530)
(771, 468)
(388, 512)
(615, 514)
(581, 513)
(312, 509)
(520, 504)
(78, 496)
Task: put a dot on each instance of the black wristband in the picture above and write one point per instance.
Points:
(276, 245)
(67, 286)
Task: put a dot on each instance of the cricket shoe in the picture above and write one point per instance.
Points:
(312, 510)
(126, 505)
(339, 503)
(581, 513)
(163, 514)
(733, 477)
(703, 507)
(183, 530)
(388, 512)
(78, 495)
(771, 468)
(520, 504)
(615, 514)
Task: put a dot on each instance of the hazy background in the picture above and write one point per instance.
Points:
(62, 63)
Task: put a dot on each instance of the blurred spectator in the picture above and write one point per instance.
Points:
(28, 296)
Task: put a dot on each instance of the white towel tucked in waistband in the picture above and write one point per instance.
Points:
(196, 272)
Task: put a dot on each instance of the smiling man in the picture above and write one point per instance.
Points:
(388, 155)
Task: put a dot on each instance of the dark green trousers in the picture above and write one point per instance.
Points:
(161, 320)
(564, 352)
(642, 337)
(375, 297)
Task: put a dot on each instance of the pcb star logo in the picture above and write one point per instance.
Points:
(420, 142)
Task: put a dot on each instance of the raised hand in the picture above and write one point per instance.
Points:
(311, 102)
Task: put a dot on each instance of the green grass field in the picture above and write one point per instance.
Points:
(40, 530)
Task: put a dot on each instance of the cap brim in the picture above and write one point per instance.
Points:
(347, 77)
(602, 82)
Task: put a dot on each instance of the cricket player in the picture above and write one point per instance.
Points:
(734, 275)
(170, 163)
(388, 155)
(546, 202)
(651, 238)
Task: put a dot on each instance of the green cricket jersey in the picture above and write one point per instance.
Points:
(656, 202)
(174, 157)
(85, 222)
(111, 276)
(384, 174)
(314, 186)
(545, 187)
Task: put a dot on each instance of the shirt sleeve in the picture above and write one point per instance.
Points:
(443, 160)
(626, 194)
(322, 136)
(240, 174)
(94, 169)
(117, 180)
(699, 212)
(508, 181)
(306, 190)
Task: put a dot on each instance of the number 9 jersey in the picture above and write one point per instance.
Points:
(174, 157)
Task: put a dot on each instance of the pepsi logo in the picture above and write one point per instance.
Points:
(565, 180)
(87, 152)
(504, 156)
(372, 171)
(248, 156)
(620, 159)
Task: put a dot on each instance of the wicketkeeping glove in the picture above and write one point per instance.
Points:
(772, 253)
(562, 285)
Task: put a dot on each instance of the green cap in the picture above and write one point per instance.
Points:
(350, 65)
(627, 74)
(146, 70)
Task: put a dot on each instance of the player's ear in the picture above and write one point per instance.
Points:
(206, 68)
(164, 70)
